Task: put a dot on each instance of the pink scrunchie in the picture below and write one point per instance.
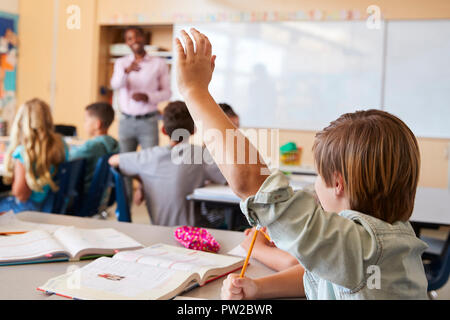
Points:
(197, 239)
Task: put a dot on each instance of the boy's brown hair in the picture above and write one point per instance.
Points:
(379, 160)
(176, 116)
(102, 111)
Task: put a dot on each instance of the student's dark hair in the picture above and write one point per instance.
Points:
(134, 28)
(102, 111)
(228, 110)
(176, 116)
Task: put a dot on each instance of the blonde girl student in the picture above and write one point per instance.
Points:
(31, 160)
(356, 241)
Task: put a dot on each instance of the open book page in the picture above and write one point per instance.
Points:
(112, 279)
(32, 245)
(206, 264)
(238, 251)
(80, 242)
(9, 223)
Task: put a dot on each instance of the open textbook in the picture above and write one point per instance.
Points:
(159, 272)
(66, 243)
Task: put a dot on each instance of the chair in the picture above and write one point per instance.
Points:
(92, 201)
(69, 177)
(67, 131)
(437, 265)
(123, 210)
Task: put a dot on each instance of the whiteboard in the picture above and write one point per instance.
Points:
(418, 75)
(294, 75)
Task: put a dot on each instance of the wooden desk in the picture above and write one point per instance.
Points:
(20, 282)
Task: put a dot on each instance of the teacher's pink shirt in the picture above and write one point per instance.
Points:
(153, 79)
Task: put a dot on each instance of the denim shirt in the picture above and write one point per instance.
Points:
(349, 255)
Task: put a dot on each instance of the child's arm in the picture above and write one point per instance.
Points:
(267, 253)
(20, 188)
(284, 284)
(194, 73)
(81, 152)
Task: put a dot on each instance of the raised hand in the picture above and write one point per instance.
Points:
(194, 67)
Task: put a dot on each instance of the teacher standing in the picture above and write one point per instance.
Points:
(142, 82)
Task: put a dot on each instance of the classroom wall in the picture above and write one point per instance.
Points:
(391, 9)
(35, 49)
(78, 54)
(10, 6)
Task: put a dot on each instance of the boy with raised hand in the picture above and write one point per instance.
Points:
(357, 243)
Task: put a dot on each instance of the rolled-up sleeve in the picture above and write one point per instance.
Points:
(333, 247)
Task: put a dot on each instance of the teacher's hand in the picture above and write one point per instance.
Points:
(140, 97)
(134, 66)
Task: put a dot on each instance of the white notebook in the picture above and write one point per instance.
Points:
(66, 243)
(158, 272)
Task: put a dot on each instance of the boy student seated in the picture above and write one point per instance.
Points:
(357, 243)
(169, 174)
(33, 155)
(98, 118)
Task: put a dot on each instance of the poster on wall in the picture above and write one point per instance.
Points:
(8, 67)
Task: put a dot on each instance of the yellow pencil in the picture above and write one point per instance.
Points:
(265, 235)
(249, 253)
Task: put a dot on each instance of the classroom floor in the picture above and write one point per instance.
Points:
(139, 215)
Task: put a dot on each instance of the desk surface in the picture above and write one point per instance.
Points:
(20, 282)
(299, 170)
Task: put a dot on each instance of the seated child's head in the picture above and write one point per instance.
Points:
(98, 118)
(230, 113)
(43, 147)
(177, 121)
(368, 161)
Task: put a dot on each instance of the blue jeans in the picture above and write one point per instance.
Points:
(12, 204)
